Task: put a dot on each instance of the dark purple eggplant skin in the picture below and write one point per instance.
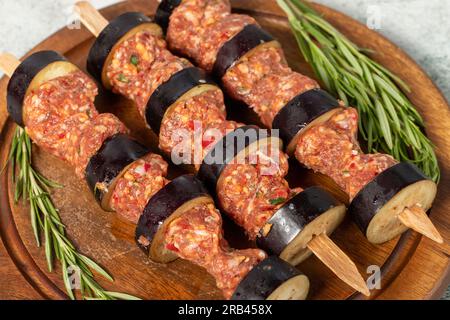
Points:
(301, 111)
(20, 81)
(108, 38)
(293, 217)
(226, 150)
(116, 154)
(170, 91)
(264, 279)
(164, 11)
(234, 49)
(380, 190)
(164, 203)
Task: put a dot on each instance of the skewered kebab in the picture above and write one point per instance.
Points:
(386, 197)
(54, 101)
(171, 95)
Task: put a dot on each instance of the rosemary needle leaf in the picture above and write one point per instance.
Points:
(65, 274)
(93, 265)
(122, 296)
(48, 245)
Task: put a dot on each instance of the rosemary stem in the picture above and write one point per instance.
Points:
(388, 120)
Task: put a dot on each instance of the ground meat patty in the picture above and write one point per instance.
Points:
(215, 35)
(137, 185)
(139, 65)
(70, 131)
(161, 71)
(93, 135)
(240, 78)
(214, 133)
(250, 193)
(197, 236)
(265, 82)
(57, 111)
(188, 21)
(187, 120)
(60, 98)
(332, 148)
(273, 92)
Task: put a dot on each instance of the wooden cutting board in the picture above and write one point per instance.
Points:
(413, 267)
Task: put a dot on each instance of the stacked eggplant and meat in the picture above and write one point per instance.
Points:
(319, 130)
(243, 165)
(54, 101)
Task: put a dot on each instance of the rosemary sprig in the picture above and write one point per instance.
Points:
(31, 186)
(388, 121)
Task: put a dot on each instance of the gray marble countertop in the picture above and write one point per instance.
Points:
(420, 27)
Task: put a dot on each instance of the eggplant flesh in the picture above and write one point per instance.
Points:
(233, 148)
(250, 37)
(273, 279)
(109, 163)
(117, 31)
(311, 212)
(32, 72)
(169, 203)
(376, 207)
(182, 85)
(305, 110)
(164, 11)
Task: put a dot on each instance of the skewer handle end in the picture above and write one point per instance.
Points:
(90, 17)
(8, 63)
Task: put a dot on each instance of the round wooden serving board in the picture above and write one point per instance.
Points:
(413, 267)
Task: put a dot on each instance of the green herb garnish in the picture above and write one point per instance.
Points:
(31, 186)
(388, 119)
(134, 60)
(276, 201)
(122, 78)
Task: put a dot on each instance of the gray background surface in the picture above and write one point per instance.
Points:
(420, 27)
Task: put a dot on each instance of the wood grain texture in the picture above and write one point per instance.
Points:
(413, 267)
(11, 279)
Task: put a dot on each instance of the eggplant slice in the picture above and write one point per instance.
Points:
(311, 212)
(182, 85)
(32, 72)
(273, 279)
(376, 207)
(167, 204)
(249, 38)
(232, 147)
(109, 163)
(117, 31)
(309, 108)
(164, 11)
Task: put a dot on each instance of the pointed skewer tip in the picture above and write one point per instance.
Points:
(417, 219)
(338, 262)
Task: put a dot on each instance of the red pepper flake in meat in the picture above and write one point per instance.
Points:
(139, 65)
(137, 185)
(57, 112)
(250, 197)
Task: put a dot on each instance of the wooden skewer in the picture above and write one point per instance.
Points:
(338, 262)
(90, 17)
(8, 63)
(322, 246)
(417, 219)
